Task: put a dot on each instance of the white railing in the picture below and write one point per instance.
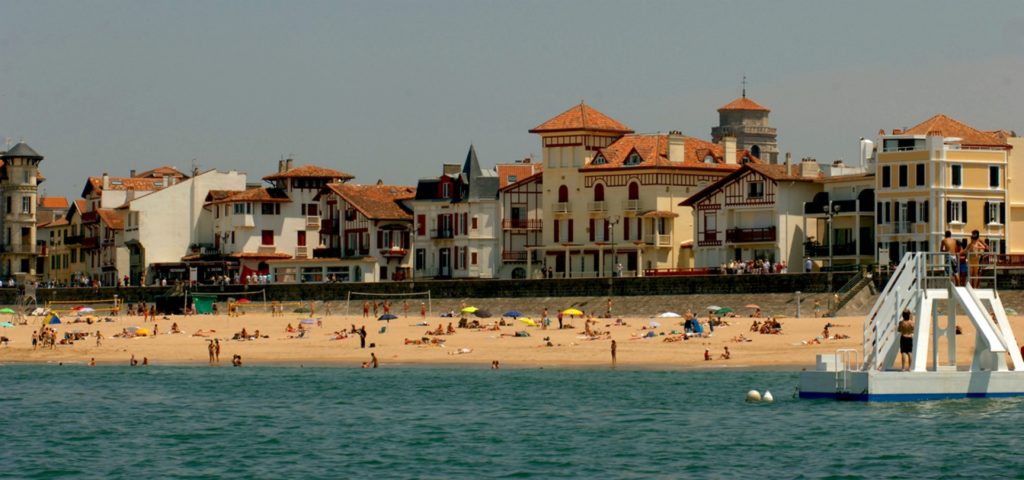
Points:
(597, 206)
(313, 222)
(563, 207)
(631, 205)
(660, 240)
(301, 252)
(880, 326)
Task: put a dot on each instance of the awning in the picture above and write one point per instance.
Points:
(658, 214)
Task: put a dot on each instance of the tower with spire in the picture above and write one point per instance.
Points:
(19, 194)
(747, 121)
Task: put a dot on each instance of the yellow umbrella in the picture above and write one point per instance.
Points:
(528, 321)
(142, 332)
(572, 312)
(469, 310)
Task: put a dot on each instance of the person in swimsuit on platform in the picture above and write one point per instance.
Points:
(952, 249)
(906, 329)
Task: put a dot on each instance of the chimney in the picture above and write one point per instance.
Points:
(676, 146)
(287, 164)
(106, 181)
(729, 143)
(789, 163)
(131, 173)
(280, 166)
(897, 131)
(809, 167)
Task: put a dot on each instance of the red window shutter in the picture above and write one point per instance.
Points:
(570, 231)
(591, 229)
(267, 237)
(474, 223)
(465, 222)
(421, 228)
(557, 231)
(639, 229)
(301, 240)
(473, 258)
(380, 239)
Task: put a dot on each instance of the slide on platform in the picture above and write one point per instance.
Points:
(977, 315)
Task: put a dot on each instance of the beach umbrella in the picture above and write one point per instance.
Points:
(308, 321)
(654, 324)
(714, 308)
(752, 305)
(511, 313)
(6, 324)
(387, 317)
(54, 319)
(572, 312)
(669, 315)
(482, 314)
(244, 300)
(132, 329)
(6, 310)
(78, 307)
(86, 310)
(528, 321)
(142, 332)
(470, 310)
(723, 311)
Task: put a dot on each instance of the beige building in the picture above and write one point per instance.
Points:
(945, 175)
(19, 186)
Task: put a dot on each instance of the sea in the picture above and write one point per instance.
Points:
(116, 422)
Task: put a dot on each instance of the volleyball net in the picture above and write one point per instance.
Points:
(404, 306)
(108, 305)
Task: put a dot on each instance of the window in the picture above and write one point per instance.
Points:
(239, 209)
(919, 175)
(26, 204)
(886, 177)
(995, 213)
(634, 191)
(755, 189)
(474, 223)
(633, 159)
(993, 176)
(300, 238)
(421, 259)
(709, 158)
(511, 179)
(421, 225)
(563, 194)
(309, 209)
(268, 208)
(904, 173)
(599, 160)
(232, 238)
(472, 257)
(956, 211)
(957, 172)
(599, 192)
(267, 237)
(446, 190)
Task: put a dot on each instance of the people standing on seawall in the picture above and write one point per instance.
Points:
(906, 329)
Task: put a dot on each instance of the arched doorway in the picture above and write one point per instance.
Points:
(599, 192)
(519, 272)
(563, 194)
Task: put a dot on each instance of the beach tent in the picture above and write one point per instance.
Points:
(204, 303)
(53, 320)
(528, 321)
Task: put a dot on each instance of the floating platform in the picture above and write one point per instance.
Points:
(875, 386)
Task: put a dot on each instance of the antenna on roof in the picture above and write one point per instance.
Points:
(8, 142)
(744, 84)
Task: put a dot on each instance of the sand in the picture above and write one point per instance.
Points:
(788, 351)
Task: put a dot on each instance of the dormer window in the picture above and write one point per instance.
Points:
(512, 179)
(709, 158)
(633, 159)
(446, 190)
(599, 160)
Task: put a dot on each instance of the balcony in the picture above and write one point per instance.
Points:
(513, 256)
(89, 217)
(243, 221)
(301, 252)
(631, 205)
(658, 240)
(750, 235)
(24, 249)
(73, 240)
(814, 250)
(521, 224)
(313, 222)
(562, 207)
(601, 206)
(442, 233)
(709, 239)
(332, 252)
(901, 227)
(394, 252)
(266, 249)
(329, 226)
(90, 243)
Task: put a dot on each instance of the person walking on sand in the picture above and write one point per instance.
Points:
(559, 320)
(209, 349)
(366, 309)
(373, 360)
(362, 336)
(613, 352)
(216, 351)
(906, 329)
(99, 337)
(423, 310)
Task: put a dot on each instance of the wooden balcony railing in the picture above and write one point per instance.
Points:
(521, 224)
(741, 235)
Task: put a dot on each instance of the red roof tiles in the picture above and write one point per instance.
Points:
(582, 117)
(515, 172)
(110, 218)
(653, 152)
(743, 103)
(376, 202)
(53, 202)
(949, 127)
(159, 172)
(261, 194)
(310, 171)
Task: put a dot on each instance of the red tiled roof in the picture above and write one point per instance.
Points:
(771, 171)
(950, 127)
(518, 170)
(123, 183)
(582, 117)
(309, 171)
(159, 172)
(260, 194)
(376, 202)
(537, 177)
(110, 218)
(259, 255)
(53, 202)
(653, 151)
(743, 103)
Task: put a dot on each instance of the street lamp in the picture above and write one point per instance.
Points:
(830, 211)
(612, 222)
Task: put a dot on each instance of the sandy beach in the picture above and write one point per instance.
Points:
(792, 350)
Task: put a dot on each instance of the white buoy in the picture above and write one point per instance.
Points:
(753, 396)
(767, 397)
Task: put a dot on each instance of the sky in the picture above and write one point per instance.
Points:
(392, 90)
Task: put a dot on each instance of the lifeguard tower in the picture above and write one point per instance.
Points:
(921, 284)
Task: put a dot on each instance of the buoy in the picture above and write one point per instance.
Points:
(753, 396)
(767, 397)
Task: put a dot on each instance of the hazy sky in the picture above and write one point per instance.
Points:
(392, 90)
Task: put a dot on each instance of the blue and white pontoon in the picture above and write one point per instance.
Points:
(921, 285)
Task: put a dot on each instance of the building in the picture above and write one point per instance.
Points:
(940, 175)
(851, 200)
(457, 222)
(610, 197)
(747, 121)
(19, 186)
(521, 223)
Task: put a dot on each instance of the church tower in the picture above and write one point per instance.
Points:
(747, 120)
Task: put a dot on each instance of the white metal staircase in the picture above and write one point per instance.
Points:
(902, 291)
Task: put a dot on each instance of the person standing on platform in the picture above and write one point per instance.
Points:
(906, 329)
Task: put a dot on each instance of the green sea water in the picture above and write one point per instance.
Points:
(420, 422)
